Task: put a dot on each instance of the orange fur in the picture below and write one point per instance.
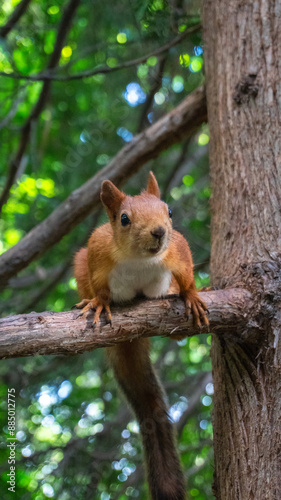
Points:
(81, 272)
(144, 255)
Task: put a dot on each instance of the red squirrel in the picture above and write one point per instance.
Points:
(138, 251)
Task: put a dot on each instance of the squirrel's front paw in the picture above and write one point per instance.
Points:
(196, 306)
(94, 304)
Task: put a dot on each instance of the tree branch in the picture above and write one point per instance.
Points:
(51, 76)
(155, 86)
(14, 108)
(179, 162)
(63, 29)
(65, 333)
(14, 17)
(48, 286)
(39, 276)
(180, 122)
(193, 402)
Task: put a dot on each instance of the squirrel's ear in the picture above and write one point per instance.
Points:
(152, 185)
(111, 198)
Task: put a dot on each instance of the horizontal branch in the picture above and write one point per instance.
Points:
(65, 333)
(181, 122)
(101, 70)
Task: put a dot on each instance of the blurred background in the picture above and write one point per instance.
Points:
(76, 437)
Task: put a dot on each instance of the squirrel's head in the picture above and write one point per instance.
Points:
(142, 224)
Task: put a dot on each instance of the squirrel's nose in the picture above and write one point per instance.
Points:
(158, 232)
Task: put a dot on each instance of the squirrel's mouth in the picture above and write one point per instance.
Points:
(161, 247)
(155, 249)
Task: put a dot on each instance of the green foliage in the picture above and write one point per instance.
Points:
(75, 437)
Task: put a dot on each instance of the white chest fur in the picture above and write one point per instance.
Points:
(147, 276)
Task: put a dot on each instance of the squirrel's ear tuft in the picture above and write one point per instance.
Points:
(152, 185)
(111, 198)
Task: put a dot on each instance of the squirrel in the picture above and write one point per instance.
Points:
(138, 251)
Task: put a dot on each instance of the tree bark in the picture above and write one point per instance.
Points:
(170, 129)
(65, 333)
(243, 71)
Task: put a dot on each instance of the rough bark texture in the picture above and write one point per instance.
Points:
(180, 122)
(64, 333)
(243, 64)
(243, 70)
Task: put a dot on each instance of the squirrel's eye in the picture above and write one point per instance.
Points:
(170, 213)
(125, 220)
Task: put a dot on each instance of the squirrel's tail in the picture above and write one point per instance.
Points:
(134, 372)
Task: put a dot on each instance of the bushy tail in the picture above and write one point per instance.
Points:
(135, 374)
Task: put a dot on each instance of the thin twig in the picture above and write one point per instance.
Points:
(14, 108)
(63, 29)
(14, 17)
(50, 75)
(46, 289)
(193, 402)
(176, 167)
(40, 274)
(92, 49)
(156, 85)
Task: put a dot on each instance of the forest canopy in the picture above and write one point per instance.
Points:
(79, 81)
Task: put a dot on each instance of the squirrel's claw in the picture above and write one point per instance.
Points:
(82, 304)
(88, 304)
(99, 308)
(108, 314)
(98, 311)
(195, 305)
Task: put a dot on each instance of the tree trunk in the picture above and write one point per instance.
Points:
(243, 70)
